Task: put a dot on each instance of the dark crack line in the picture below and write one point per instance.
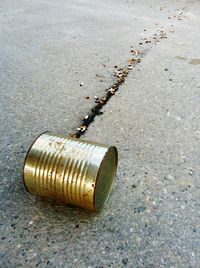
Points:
(121, 74)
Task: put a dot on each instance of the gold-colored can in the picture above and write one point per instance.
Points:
(70, 170)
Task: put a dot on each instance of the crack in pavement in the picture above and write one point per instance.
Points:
(121, 74)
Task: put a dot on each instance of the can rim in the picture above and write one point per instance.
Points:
(111, 178)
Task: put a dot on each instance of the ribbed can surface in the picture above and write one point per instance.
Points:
(71, 170)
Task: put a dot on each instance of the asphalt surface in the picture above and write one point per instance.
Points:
(53, 54)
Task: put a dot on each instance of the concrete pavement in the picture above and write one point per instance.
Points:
(47, 50)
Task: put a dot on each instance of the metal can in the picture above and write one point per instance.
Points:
(70, 170)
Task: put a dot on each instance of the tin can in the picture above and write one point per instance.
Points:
(70, 170)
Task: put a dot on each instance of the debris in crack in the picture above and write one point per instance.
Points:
(120, 74)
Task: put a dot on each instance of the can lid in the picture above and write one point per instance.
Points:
(105, 178)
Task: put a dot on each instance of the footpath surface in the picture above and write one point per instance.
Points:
(54, 55)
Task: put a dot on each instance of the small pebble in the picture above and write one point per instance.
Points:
(125, 261)
(170, 177)
(111, 90)
(191, 171)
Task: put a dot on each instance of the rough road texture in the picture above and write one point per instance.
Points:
(47, 49)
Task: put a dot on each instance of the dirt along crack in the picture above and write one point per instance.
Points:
(120, 75)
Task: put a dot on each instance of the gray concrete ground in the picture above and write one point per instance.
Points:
(47, 48)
